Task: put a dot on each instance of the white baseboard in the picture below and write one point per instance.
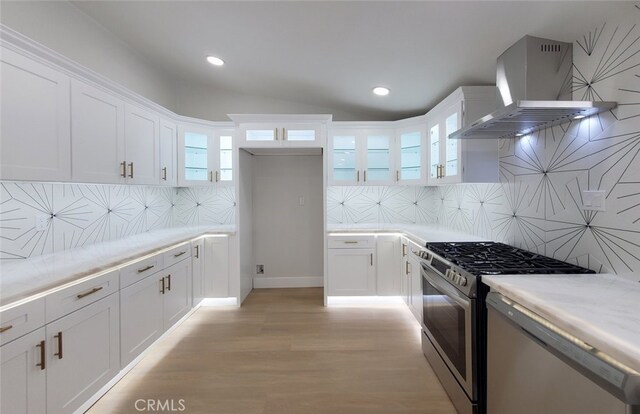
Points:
(287, 282)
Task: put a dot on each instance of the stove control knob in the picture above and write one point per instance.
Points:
(463, 281)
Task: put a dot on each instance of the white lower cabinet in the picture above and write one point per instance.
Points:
(82, 354)
(387, 264)
(23, 375)
(415, 292)
(177, 293)
(197, 270)
(141, 319)
(216, 268)
(152, 305)
(352, 272)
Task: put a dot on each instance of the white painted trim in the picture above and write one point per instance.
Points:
(280, 118)
(124, 371)
(364, 300)
(287, 282)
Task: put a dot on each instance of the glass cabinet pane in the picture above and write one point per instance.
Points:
(410, 152)
(378, 158)
(451, 157)
(226, 158)
(195, 156)
(344, 158)
(261, 135)
(434, 140)
(301, 135)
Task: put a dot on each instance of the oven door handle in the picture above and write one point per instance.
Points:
(457, 297)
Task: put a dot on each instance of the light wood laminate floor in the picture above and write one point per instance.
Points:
(284, 352)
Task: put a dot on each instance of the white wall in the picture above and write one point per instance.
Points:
(61, 26)
(287, 236)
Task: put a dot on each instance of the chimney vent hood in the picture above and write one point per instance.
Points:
(534, 78)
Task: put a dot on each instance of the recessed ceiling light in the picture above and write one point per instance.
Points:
(578, 117)
(381, 91)
(216, 61)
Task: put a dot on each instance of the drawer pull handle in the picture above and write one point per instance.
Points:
(406, 268)
(197, 251)
(164, 173)
(5, 328)
(169, 282)
(179, 254)
(131, 168)
(91, 292)
(371, 259)
(123, 164)
(43, 355)
(350, 242)
(162, 285)
(59, 353)
(404, 250)
(144, 269)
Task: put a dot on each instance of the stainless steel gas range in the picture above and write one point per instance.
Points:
(454, 312)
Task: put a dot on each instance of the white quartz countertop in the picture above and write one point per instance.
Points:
(20, 279)
(602, 310)
(419, 233)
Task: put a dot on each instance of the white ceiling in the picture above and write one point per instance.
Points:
(331, 54)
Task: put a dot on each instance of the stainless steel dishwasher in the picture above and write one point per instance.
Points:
(534, 367)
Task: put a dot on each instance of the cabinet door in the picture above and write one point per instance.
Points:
(141, 320)
(387, 265)
(35, 128)
(197, 270)
(195, 146)
(451, 148)
(302, 135)
(411, 156)
(405, 280)
(378, 159)
(142, 140)
(261, 135)
(434, 151)
(216, 268)
(221, 158)
(97, 131)
(168, 153)
(177, 295)
(83, 351)
(416, 289)
(351, 272)
(343, 158)
(22, 380)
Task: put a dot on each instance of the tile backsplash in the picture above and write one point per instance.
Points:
(40, 218)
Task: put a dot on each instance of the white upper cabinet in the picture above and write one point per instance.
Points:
(168, 153)
(361, 156)
(205, 155)
(411, 151)
(142, 145)
(281, 135)
(461, 161)
(97, 131)
(35, 128)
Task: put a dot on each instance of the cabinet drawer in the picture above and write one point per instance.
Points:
(351, 242)
(70, 299)
(21, 319)
(177, 254)
(141, 269)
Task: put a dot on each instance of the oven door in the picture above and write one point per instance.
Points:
(449, 322)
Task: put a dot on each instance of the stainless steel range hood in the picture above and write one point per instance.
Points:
(535, 80)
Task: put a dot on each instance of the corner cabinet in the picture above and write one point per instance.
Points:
(360, 155)
(461, 161)
(205, 155)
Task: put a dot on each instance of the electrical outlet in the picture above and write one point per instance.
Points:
(260, 269)
(42, 222)
(593, 200)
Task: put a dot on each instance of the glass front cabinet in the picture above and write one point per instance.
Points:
(205, 156)
(281, 135)
(466, 160)
(361, 156)
(411, 155)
